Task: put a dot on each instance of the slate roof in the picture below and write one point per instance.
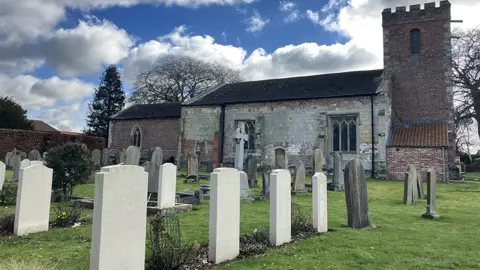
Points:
(149, 111)
(39, 125)
(420, 135)
(357, 83)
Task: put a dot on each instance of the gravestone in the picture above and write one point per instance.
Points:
(132, 155)
(280, 158)
(192, 168)
(23, 155)
(266, 185)
(105, 157)
(421, 194)
(2, 174)
(23, 164)
(7, 158)
(32, 212)
(252, 170)
(431, 212)
(154, 172)
(34, 155)
(209, 165)
(245, 194)
(121, 156)
(96, 156)
(338, 183)
(319, 160)
(14, 160)
(44, 155)
(410, 193)
(356, 195)
(299, 183)
(240, 138)
(224, 231)
(166, 185)
(119, 218)
(319, 201)
(280, 207)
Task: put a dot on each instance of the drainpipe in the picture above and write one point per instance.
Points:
(373, 138)
(222, 131)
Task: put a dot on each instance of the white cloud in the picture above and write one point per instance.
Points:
(313, 16)
(286, 6)
(70, 117)
(292, 16)
(256, 23)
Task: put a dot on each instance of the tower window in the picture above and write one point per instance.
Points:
(415, 41)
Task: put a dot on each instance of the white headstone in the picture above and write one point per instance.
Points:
(319, 201)
(34, 191)
(244, 188)
(167, 185)
(23, 164)
(240, 138)
(224, 232)
(119, 218)
(2, 174)
(280, 207)
(132, 155)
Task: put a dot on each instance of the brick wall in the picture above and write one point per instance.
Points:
(155, 132)
(423, 158)
(26, 140)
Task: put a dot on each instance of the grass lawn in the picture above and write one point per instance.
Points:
(402, 240)
(8, 174)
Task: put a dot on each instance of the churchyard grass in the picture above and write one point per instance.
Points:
(8, 174)
(401, 240)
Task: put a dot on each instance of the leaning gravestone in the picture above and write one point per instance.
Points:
(224, 232)
(2, 174)
(34, 155)
(119, 218)
(96, 156)
(252, 170)
(280, 207)
(166, 185)
(431, 195)
(192, 168)
(338, 181)
(299, 183)
(319, 159)
(356, 195)
(132, 155)
(153, 174)
(32, 212)
(245, 194)
(410, 193)
(319, 201)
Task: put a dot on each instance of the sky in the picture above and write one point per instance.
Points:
(52, 52)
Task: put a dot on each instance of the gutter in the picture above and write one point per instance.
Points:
(373, 138)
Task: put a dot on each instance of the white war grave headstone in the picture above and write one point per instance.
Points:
(240, 138)
(244, 188)
(280, 207)
(319, 201)
(167, 182)
(2, 174)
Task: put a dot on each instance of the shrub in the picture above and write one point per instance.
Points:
(7, 222)
(166, 248)
(8, 195)
(254, 243)
(67, 214)
(301, 222)
(72, 165)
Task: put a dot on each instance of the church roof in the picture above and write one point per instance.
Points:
(149, 111)
(420, 135)
(357, 83)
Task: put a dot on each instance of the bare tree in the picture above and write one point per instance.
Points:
(179, 78)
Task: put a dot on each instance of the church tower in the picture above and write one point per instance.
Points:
(418, 60)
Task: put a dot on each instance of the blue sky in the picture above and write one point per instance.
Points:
(52, 52)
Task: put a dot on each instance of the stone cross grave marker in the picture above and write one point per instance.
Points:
(245, 194)
(431, 212)
(32, 212)
(167, 185)
(356, 195)
(192, 168)
(299, 183)
(338, 179)
(319, 160)
(132, 155)
(240, 138)
(2, 174)
(410, 193)
(34, 155)
(252, 170)
(154, 172)
(224, 231)
(280, 207)
(319, 201)
(119, 218)
(96, 156)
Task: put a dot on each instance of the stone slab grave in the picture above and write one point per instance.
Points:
(188, 196)
(34, 155)
(32, 212)
(154, 169)
(356, 195)
(23, 164)
(2, 174)
(265, 186)
(280, 207)
(119, 218)
(132, 155)
(410, 186)
(96, 156)
(338, 183)
(224, 230)
(299, 182)
(431, 212)
(245, 193)
(319, 202)
(251, 162)
(8, 155)
(192, 169)
(318, 160)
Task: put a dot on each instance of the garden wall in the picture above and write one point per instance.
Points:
(27, 140)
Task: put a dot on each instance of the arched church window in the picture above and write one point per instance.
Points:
(415, 41)
(250, 131)
(344, 134)
(136, 136)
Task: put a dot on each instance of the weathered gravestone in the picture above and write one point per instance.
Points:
(32, 212)
(23, 155)
(240, 138)
(356, 195)
(266, 185)
(421, 194)
(319, 201)
(96, 156)
(14, 160)
(121, 156)
(192, 168)
(338, 183)
(410, 193)
(119, 218)
(34, 155)
(44, 155)
(209, 165)
(245, 194)
(431, 195)
(252, 170)
(319, 160)
(7, 158)
(166, 185)
(281, 160)
(299, 183)
(154, 172)
(280, 207)
(224, 231)
(105, 157)
(132, 155)
(2, 174)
